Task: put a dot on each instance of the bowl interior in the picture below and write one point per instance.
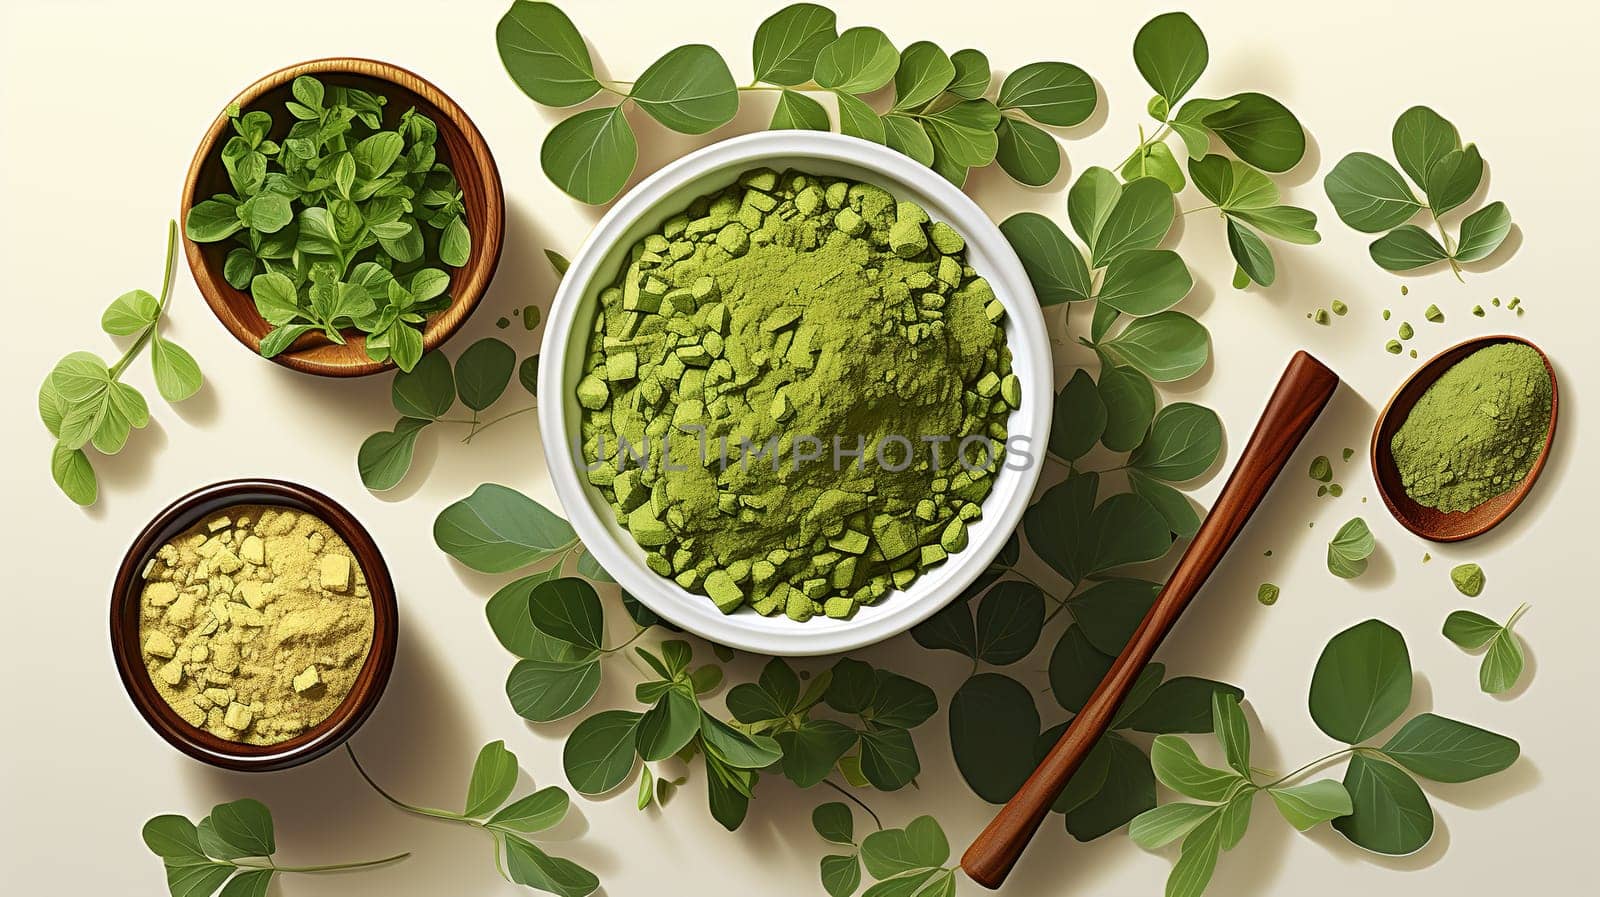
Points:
(1431, 523)
(601, 260)
(460, 145)
(128, 652)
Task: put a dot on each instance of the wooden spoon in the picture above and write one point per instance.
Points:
(1432, 523)
(1301, 393)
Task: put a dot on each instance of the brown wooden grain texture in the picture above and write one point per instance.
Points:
(460, 145)
(127, 651)
(1431, 523)
(1301, 393)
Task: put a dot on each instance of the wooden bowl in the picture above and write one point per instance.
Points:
(1431, 523)
(460, 145)
(128, 653)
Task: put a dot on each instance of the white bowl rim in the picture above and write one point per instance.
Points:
(1026, 336)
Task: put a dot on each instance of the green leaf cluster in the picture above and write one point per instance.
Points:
(429, 393)
(902, 861)
(1502, 656)
(338, 222)
(509, 823)
(939, 113)
(83, 401)
(1372, 197)
(230, 849)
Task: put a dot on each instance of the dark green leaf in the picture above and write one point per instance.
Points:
(1076, 668)
(568, 609)
(1289, 223)
(1029, 154)
(1369, 194)
(1108, 612)
(528, 865)
(787, 42)
(690, 90)
(1470, 630)
(497, 529)
(384, 457)
(923, 74)
(1079, 417)
(1055, 267)
(245, 824)
(899, 702)
(507, 611)
(734, 747)
(1406, 247)
(1184, 441)
(170, 836)
(798, 111)
(590, 155)
(1172, 504)
(1140, 219)
(1057, 525)
(669, 725)
(1171, 53)
(1129, 789)
(851, 687)
(1145, 281)
(1453, 179)
(728, 792)
(1261, 131)
(950, 629)
(1051, 93)
(1362, 682)
(483, 371)
(1182, 704)
(494, 774)
(888, 758)
(966, 131)
(860, 60)
(1009, 619)
(1251, 254)
(811, 751)
(1125, 529)
(599, 753)
(426, 391)
(1422, 137)
(1483, 231)
(548, 690)
(1231, 184)
(1130, 403)
(841, 874)
(1445, 750)
(1390, 814)
(545, 55)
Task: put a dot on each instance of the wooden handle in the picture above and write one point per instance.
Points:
(1301, 393)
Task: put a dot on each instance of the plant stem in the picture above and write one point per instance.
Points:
(1199, 209)
(480, 426)
(625, 644)
(161, 306)
(1314, 763)
(1061, 606)
(1515, 616)
(328, 867)
(855, 800)
(409, 808)
(1450, 252)
(1145, 142)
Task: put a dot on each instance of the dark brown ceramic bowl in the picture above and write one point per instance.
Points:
(1431, 523)
(198, 743)
(460, 145)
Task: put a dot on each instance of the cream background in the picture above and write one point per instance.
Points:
(102, 104)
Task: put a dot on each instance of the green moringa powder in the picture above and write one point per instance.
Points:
(1477, 430)
(795, 395)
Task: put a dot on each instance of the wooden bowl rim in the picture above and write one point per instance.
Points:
(465, 301)
(1490, 514)
(198, 743)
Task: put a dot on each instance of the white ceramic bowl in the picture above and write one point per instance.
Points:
(642, 211)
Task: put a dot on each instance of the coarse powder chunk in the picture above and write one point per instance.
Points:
(796, 394)
(255, 622)
(1477, 430)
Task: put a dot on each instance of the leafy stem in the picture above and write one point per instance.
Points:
(161, 307)
(478, 426)
(1145, 143)
(409, 808)
(1449, 245)
(327, 867)
(1312, 765)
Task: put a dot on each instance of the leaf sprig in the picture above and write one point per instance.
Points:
(939, 113)
(231, 849)
(83, 400)
(1502, 658)
(902, 861)
(519, 860)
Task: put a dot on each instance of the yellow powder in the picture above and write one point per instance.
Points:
(255, 623)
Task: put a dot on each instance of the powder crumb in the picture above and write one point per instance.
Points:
(1404, 290)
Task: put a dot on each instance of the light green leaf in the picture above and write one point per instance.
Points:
(494, 774)
(1079, 417)
(690, 90)
(1171, 53)
(455, 243)
(590, 155)
(1167, 823)
(966, 132)
(1369, 194)
(534, 813)
(497, 529)
(1177, 767)
(1421, 138)
(797, 111)
(547, 690)
(385, 456)
(1104, 317)
(177, 373)
(1140, 219)
(1389, 813)
(1406, 247)
(788, 41)
(528, 865)
(1483, 231)
(1261, 131)
(1502, 664)
(248, 883)
(971, 80)
(545, 55)
(906, 135)
(599, 753)
(1055, 267)
(1155, 161)
(1235, 818)
(857, 119)
(1251, 254)
(1051, 93)
(1470, 630)
(735, 748)
(1142, 282)
(1444, 750)
(1453, 179)
(894, 851)
(213, 219)
(1232, 731)
(923, 74)
(1313, 803)
(860, 60)
(1362, 682)
(275, 297)
(1189, 124)
(1090, 201)
(196, 879)
(1231, 184)
(1349, 549)
(130, 313)
(1164, 347)
(1288, 223)
(71, 470)
(1197, 860)
(1029, 154)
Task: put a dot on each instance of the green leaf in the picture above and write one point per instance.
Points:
(1389, 813)
(950, 629)
(283, 337)
(590, 155)
(545, 55)
(1171, 53)
(1313, 803)
(1009, 619)
(1173, 505)
(1145, 281)
(690, 90)
(894, 851)
(798, 112)
(1445, 750)
(923, 74)
(507, 612)
(1051, 93)
(1076, 668)
(1235, 818)
(1145, 685)
(275, 298)
(455, 243)
(851, 687)
(426, 391)
(1030, 155)
(1125, 529)
(669, 725)
(71, 470)
(1189, 124)
(1140, 219)
(736, 748)
(1129, 789)
(1231, 184)
(1406, 247)
(528, 375)
(1369, 194)
(888, 758)
(899, 702)
(494, 774)
(599, 753)
(196, 879)
(1182, 704)
(1130, 403)
(177, 373)
(569, 610)
(528, 865)
(1167, 823)
(547, 690)
(1470, 630)
(1261, 131)
(857, 119)
(841, 874)
(1453, 179)
(1251, 254)
(1482, 232)
(1079, 417)
(904, 134)
(1232, 730)
(860, 60)
(1421, 138)
(170, 836)
(497, 529)
(385, 457)
(812, 751)
(248, 883)
(1090, 201)
(483, 371)
(213, 219)
(1155, 161)
(834, 822)
(971, 80)
(1108, 612)
(1184, 441)
(245, 824)
(534, 813)
(130, 313)
(1177, 767)
(1502, 664)
(1350, 548)
(1288, 223)
(1057, 525)
(788, 41)
(966, 132)
(1164, 347)
(1362, 682)
(943, 164)
(1055, 267)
